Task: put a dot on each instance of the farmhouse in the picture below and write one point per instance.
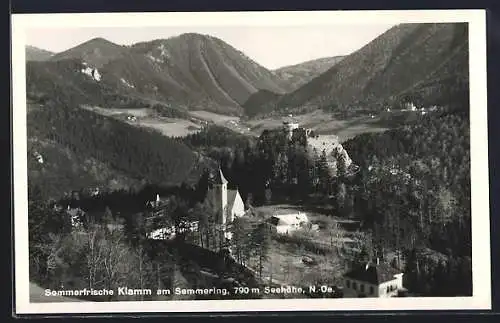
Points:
(374, 280)
(287, 223)
(228, 203)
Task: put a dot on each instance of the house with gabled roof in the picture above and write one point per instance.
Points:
(288, 222)
(373, 280)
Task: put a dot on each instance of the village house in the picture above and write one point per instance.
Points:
(374, 280)
(288, 223)
(227, 204)
(38, 157)
(76, 215)
(154, 203)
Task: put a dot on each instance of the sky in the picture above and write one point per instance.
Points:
(272, 47)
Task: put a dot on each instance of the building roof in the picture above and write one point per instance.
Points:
(231, 198)
(373, 273)
(288, 219)
(274, 220)
(219, 178)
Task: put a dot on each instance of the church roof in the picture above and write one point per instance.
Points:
(219, 178)
(231, 198)
(373, 273)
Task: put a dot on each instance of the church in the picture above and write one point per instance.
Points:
(228, 203)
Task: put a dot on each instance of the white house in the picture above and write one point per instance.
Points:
(162, 234)
(373, 280)
(288, 223)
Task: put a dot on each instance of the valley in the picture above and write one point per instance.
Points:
(175, 134)
(323, 124)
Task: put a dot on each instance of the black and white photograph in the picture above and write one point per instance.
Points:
(250, 161)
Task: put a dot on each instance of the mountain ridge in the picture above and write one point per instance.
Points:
(96, 52)
(193, 70)
(371, 77)
(37, 54)
(301, 73)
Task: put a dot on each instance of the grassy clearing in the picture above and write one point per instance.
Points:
(213, 117)
(285, 260)
(138, 113)
(323, 124)
(285, 266)
(170, 127)
(231, 122)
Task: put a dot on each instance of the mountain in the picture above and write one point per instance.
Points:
(257, 102)
(191, 71)
(95, 52)
(37, 54)
(204, 71)
(407, 62)
(299, 74)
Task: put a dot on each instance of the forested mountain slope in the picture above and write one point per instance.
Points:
(102, 150)
(299, 74)
(402, 63)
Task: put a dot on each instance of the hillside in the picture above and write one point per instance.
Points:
(75, 82)
(81, 149)
(205, 72)
(57, 170)
(398, 65)
(299, 74)
(423, 169)
(96, 52)
(37, 54)
(190, 71)
(258, 102)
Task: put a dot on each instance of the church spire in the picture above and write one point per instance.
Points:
(219, 178)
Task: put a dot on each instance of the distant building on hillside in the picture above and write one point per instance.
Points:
(409, 106)
(227, 203)
(289, 125)
(38, 157)
(374, 280)
(157, 207)
(154, 203)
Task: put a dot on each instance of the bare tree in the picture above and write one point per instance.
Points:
(94, 253)
(51, 249)
(115, 252)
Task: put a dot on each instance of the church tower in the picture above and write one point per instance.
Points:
(220, 196)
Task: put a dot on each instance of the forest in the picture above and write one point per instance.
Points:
(142, 154)
(412, 194)
(61, 81)
(215, 136)
(107, 246)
